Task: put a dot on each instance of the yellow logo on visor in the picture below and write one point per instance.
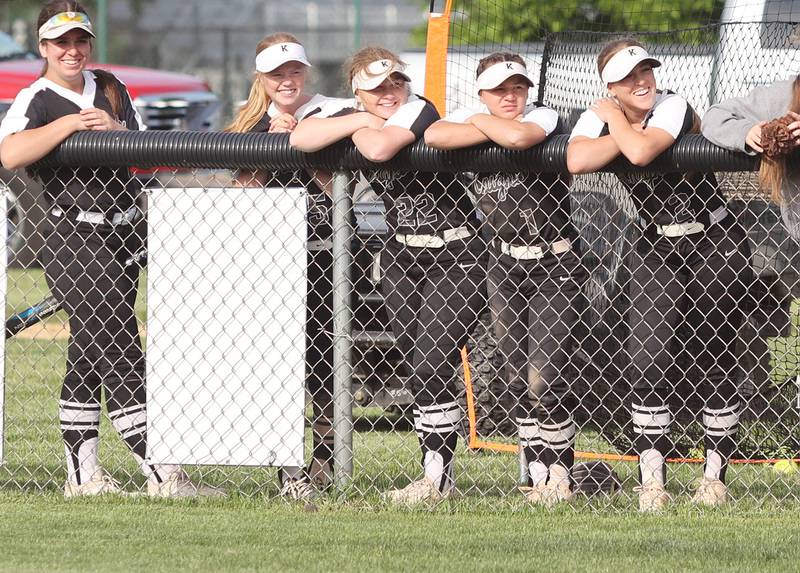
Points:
(67, 17)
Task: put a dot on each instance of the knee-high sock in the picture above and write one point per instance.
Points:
(721, 425)
(131, 424)
(558, 446)
(80, 422)
(651, 421)
(439, 424)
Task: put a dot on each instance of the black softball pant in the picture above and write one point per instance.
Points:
(433, 299)
(534, 307)
(701, 280)
(86, 270)
(319, 350)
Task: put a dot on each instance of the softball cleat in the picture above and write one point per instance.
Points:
(298, 490)
(547, 495)
(653, 497)
(416, 493)
(100, 484)
(178, 485)
(711, 493)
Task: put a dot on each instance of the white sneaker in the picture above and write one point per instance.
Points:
(417, 492)
(652, 497)
(535, 493)
(298, 490)
(547, 495)
(100, 484)
(711, 493)
(178, 485)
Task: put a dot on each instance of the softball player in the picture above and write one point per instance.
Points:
(276, 103)
(534, 273)
(736, 124)
(690, 264)
(84, 258)
(433, 275)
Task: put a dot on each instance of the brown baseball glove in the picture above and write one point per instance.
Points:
(776, 140)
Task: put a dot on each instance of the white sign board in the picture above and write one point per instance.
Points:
(226, 292)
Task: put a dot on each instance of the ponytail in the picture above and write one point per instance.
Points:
(108, 83)
(253, 110)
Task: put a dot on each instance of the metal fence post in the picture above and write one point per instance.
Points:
(342, 341)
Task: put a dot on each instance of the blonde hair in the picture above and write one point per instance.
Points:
(364, 57)
(773, 171)
(258, 101)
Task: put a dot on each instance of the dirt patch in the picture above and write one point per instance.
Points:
(52, 331)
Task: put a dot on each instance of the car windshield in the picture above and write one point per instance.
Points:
(9, 49)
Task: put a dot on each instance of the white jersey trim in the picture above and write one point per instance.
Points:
(407, 114)
(329, 107)
(16, 119)
(588, 125)
(668, 114)
(316, 101)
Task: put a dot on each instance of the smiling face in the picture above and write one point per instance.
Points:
(508, 99)
(636, 92)
(284, 85)
(387, 98)
(67, 57)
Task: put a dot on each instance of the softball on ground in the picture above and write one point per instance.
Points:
(785, 467)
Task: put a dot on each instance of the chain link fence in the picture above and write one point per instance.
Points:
(268, 341)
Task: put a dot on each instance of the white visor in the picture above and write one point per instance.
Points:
(62, 23)
(623, 62)
(497, 73)
(376, 73)
(278, 54)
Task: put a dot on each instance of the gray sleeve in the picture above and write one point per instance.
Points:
(727, 123)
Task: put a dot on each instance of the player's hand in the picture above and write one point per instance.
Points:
(283, 123)
(77, 120)
(753, 139)
(99, 120)
(605, 108)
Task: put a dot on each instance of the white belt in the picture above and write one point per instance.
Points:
(434, 241)
(692, 227)
(320, 245)
(529, 252)
(95, 218)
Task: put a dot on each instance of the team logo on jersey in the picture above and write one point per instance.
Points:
(497, 183)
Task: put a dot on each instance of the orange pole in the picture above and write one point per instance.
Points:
(477, 444)
(436, 58)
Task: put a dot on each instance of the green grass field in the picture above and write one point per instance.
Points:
(487, 528)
